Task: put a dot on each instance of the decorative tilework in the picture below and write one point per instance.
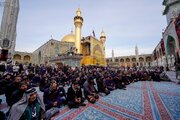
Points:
(136, 85)
(167, 87)
(173, 105)
(93, 114)
(129, 99)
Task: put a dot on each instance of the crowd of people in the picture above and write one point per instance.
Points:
(18, 83)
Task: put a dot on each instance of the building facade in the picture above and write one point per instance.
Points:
(91, 48)
(22, 57)
(49, 50)
(159, 55)
(167, 51)
(130, 61)
(142, 60)
(93, 51)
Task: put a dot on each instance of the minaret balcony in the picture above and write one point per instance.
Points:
(103, 37)
(78, 17)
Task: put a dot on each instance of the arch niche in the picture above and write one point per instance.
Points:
(170, 46)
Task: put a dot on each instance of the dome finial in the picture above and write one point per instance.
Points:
(102, 33)
(78, 12)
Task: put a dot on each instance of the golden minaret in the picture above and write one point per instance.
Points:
(78, 22)
(103, 39)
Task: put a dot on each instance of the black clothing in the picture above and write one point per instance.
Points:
(9, 91)
(2, 115)
(72, 95)
(16, 96)
(102, 87)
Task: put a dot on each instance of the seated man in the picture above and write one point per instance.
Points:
(5, 82)
(52, 96)
(30, 107)
(118, 82)
(74, 96)
(11, 88)
(62, 92)
(101, 86)
(164, 77)
(90, 91)
(17, 95)
(36, 79)
(155, 76)
(44, 84)
(110, 84)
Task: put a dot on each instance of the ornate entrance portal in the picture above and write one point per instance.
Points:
(171, 47)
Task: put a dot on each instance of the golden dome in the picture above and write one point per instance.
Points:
(69, 38)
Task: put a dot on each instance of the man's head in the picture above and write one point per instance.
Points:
(26, 79)
(53, 85)
(23, 86)
(75, 85)
(18, 79)
(91, 80)
(32, 94)
(77, 79)
(8, 76)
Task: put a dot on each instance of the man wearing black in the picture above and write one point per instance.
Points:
(74, 96)
(18, 94)
(11, 88)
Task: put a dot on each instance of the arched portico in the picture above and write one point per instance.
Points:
(170, 51)
(17, 57)
(170, 46)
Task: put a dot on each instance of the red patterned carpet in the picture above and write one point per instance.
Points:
(141, 101)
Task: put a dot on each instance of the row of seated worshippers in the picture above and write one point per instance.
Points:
(81, 82)
(33, 107)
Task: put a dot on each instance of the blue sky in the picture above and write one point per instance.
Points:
(125, 22)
